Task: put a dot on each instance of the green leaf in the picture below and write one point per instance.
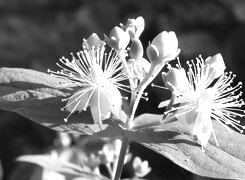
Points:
(65, 168)
(171, 139)
(37, 96)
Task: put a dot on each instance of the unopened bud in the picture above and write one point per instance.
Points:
(135, 26)
(118, 39)
(136, 49)
(164, 47)
(92, 41)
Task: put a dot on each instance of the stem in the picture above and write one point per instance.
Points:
(120, 161)
(153, 72)
(122, 55)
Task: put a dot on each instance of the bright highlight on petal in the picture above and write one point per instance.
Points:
(208, 98)
(98, 75)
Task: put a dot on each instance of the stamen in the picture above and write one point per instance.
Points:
(125, 97)
(78, 73)
(161, 87)
(178, 65)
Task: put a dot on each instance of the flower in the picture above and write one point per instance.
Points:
(118, 39)
(208, 98)
(97, 75)
(141, 168)
(163, 48)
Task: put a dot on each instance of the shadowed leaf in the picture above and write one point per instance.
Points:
(171, 140)
(37, 96)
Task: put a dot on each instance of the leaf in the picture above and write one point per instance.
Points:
(171, 140)
(37, 96)
(65, 168)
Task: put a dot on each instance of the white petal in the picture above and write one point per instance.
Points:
(203, 128)
(114, 97)
(217, 67)
(99, 106)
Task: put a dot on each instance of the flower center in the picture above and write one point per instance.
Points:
(98, 76)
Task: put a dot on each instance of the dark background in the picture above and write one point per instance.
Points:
(35, 33)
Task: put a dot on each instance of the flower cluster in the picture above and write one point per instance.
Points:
(97, 74)
(204, 93)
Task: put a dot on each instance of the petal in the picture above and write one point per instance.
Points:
(120, 38)
(114, 97)
(216, 67)
(167, 45)
(140, 26)
(92, 40)
(203, 128)
(99, 106)
(146, 65)
(176, 80)
(160, 42)
(153, 53)
(97, 74)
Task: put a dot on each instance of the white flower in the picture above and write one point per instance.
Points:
(209, 98)
(97, 75)
(163, 48)
(141, 168)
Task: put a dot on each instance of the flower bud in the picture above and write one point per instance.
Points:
(175, 80)
(135, 27)
(163, 48)
(136, 49)
(92, 41)
(118, 39)
(216, 66)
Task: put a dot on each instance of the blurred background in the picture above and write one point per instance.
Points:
(35, 33)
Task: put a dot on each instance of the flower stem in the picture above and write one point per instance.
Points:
(122, 55)
(120, 162)
(141, 87)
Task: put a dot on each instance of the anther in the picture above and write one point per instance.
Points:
(126, 98)
(161, 87)
(145, 94)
